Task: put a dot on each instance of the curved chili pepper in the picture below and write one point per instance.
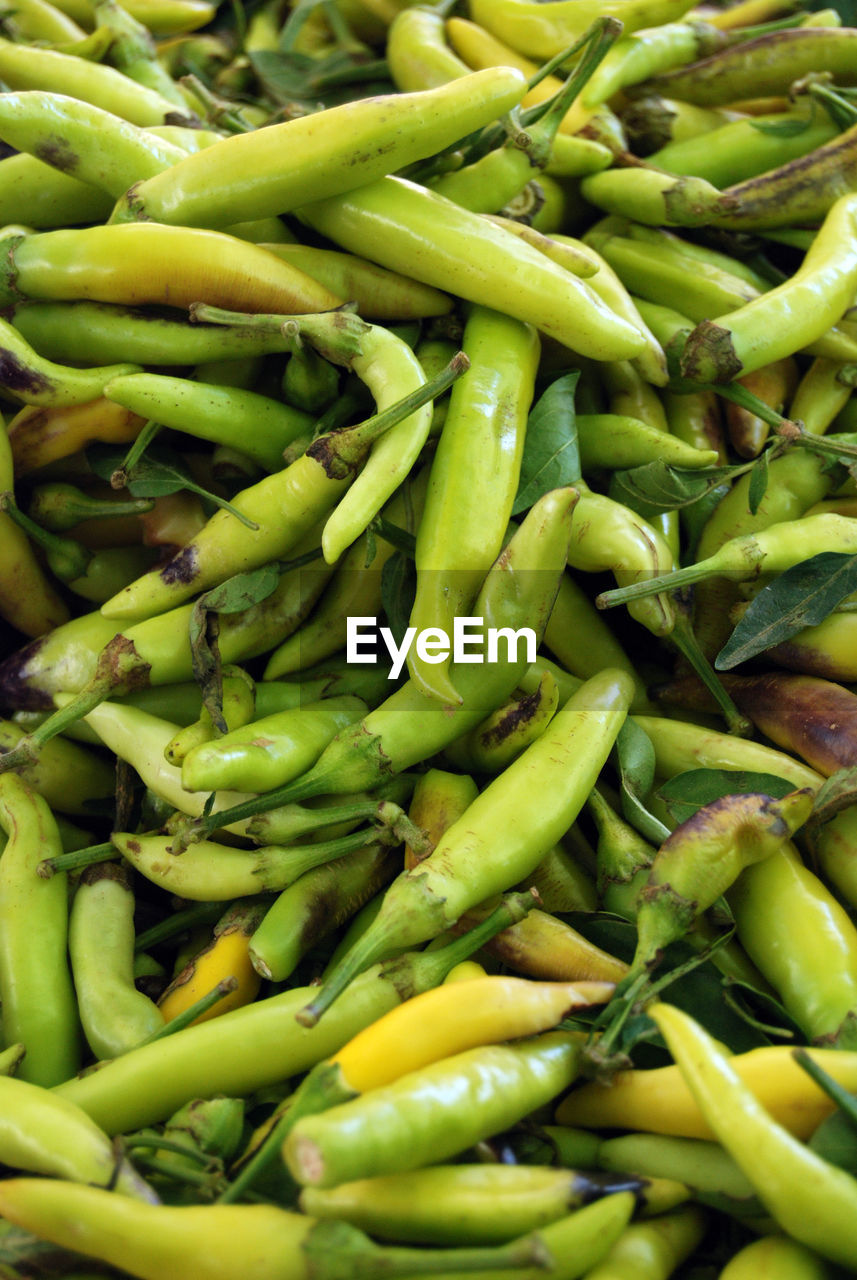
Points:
(241, 177)
(703, 856)
(409, 228)
(259, 1045)
(657, 1100)
(39, 1007)
(216, 1240)
(115, 1016)
(653, 1249)
(44, 1134)
(271, 750)
(257, 424)
(237, 708)
(787, 317)
(501, 738)
(764, 65)
(779, 1168)
(639, 55)
(812, 965)
(741, 149)
(227, 955)
(771, 550)
(417, 51)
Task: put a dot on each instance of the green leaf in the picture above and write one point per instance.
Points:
(782, 128)
(636, 757)
(687, 792)
(801, 597)
(240, 592)
(551, 457)
(838, 792)
(758, 483)
(398, 589)
(159, 472)
(656, 487)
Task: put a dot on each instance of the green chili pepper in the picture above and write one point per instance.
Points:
(268, 752)
(703, 856)
(432, 1113)
(519, 816)
(257, 424)
(473, 480)
(783, 1171)
(151, 262)
(260, 1045)
(114, 1014)
(503, 735)
(217, 1240)
(653, 1250)
(771, 550)
(237, 708)
(28, 67)
(804, 943)
(538, 33)
(45, 1134)
(608, 535)
(767, 64)
(378, 294)
(242, 177)
(406, 728)
(84, 141)
(134, 53)
(417, 51)
(741, 149)
(577, 635)
(789, 316)
(408, 228)
(615, 440)
(75, 332)
(644, 53)
(462, 1203)
(39, 1007)
(321, 900)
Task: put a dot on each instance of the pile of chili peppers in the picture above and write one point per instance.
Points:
(428, 552)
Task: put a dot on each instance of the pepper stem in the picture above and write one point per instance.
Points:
(685, 641)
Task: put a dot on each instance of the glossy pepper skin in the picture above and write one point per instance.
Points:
(242, 177)
(785, 1173)
(510, 818)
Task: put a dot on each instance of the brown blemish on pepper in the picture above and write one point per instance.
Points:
(325, 453)
(182, 569)
(517, 716)
(16, 692)
(15, 376)
(58, 154)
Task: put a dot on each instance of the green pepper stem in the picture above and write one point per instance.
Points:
(67, 558)
(77, 858)
(194, 1011)
(685, 641)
